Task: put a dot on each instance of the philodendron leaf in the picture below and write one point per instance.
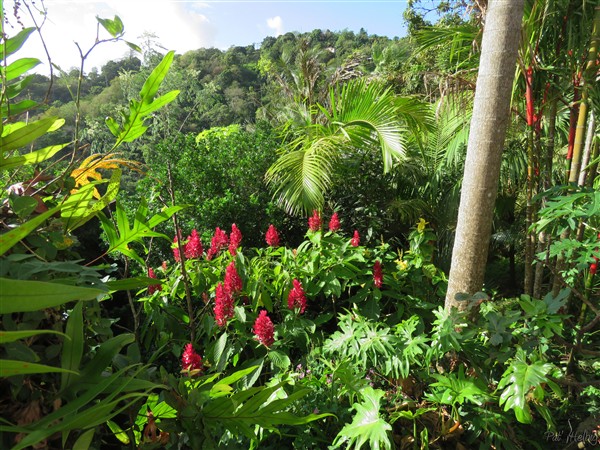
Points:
(518, 380)
(367, 427)
(28, 295)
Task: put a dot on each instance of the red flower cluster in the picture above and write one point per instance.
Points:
(334, 223)
(272, 236)
(296, 297)
(233, 282)
(190, 360)
(176, 249)
(235, 238)
(264, 329)
(153, 287)
(377, 274)
(219, 242)
(355, 241)
(314, 222)
(223, 305)
(193, 247)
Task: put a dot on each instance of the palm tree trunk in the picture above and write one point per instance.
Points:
(500, 43)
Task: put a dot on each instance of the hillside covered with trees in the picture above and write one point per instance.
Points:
(328, 240)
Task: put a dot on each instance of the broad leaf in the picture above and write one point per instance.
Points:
(31, 158)
(27, 295)
(11, 336)
(518, 381)
(367, 427)
(72, 350)
(20, 136)
(10, 368)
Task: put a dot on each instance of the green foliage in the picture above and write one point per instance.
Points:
(367, 427)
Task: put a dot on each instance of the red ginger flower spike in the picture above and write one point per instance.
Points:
(190, 360)
(296, 297)
(263, 329)
(355, 241)
(233, 282)
(334, 223)
(272, 236)
(594, 268)
(193, 249)
(377, 274)
(153, 287)
(223, 305)
(235, 238)
(314, 222)
(219, 242)
(176, 249)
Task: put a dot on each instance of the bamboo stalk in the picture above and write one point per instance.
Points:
(587, 80)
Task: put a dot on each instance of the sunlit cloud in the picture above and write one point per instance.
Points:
(176, 25)
(276, 24)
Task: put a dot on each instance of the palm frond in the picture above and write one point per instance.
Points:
(299, 178)
(368, 113)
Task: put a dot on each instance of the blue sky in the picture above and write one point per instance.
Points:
(184, 25)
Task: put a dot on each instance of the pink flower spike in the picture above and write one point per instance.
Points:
(314, 222)
(235, 238)
(219, 242)
(377, 274)
(233, 282)
(355, 241)
(272, 236)
(334, 223)
(224, 305)
(176, 250)
(296, 297)
(193, 248)
(190, 360)
(263, 329)
(153, 287)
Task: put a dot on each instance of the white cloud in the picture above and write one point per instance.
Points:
(276, 24)
(177, 26)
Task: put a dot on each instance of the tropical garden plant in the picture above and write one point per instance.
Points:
(206, 318)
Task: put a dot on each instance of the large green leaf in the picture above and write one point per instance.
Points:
(31, 158)
(27, 295)
(19, 67)
(519, 380)
(11, 336)
(10, 368)
(73, 416)
(15, 137)
(16, 42)
(14, 109)
(367, 427)
(72, 350)
(12, 237)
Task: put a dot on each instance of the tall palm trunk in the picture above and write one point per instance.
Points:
(500, 43)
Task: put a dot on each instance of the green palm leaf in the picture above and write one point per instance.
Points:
(362, 116)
